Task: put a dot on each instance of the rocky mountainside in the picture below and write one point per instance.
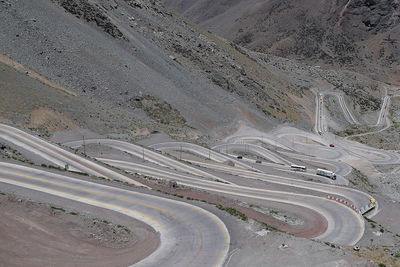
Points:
(362, 35)
(125, 52)
(158, 68)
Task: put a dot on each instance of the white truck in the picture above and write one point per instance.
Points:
(326, 173)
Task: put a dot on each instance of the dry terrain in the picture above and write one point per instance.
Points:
(38, 234)
(201, 71)
(359, 35)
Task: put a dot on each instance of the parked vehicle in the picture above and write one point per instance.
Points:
(239, 157)
(332, 145)
(298, 168)
(326, 173)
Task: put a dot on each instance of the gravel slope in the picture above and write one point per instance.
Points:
(361, 35)
(82, 57)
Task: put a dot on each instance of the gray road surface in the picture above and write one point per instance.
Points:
(201, 151)
(345, 226)
(254, 149)
(189, 235)
(146, 154)
(58, 155)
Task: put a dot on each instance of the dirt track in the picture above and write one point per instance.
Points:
(35, 234)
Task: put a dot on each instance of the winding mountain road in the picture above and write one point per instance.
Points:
(60, 157)
(319, 114)
(344, 224)
(146, 154)
(315, 201)
(347, 114)
(189, 235)
(384, 111)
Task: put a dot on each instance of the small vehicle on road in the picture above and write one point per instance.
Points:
(298, 168)
(332, 145)
(326, 173)
(239, 157)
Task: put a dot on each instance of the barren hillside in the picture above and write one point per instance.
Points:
(199, 132)
(362, 35)
(161, 70)
(123, 52)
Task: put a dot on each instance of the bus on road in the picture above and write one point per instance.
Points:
(326, 173)
(298, 168)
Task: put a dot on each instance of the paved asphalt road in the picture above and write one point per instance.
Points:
(254, 149)
(384, 111)
(330, 211)
(345, 225)
(357, 197)
(190, 236)
(347, 114)
(146, 154)
(201, 151)
(58, 155)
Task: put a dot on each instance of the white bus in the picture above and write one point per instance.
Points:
(298, 168)
(326, 173)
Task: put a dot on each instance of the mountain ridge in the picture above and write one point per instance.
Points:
(362, 35)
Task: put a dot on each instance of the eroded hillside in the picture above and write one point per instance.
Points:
(118, 52)
(362, 35)
(163, 71)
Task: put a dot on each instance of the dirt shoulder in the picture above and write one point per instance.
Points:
(38, 234)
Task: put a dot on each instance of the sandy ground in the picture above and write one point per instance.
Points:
(34, 234)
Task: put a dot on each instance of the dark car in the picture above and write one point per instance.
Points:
(332, 145)
(258, 161)
(239, 157)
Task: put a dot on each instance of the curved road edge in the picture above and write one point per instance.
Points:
(184, 229)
